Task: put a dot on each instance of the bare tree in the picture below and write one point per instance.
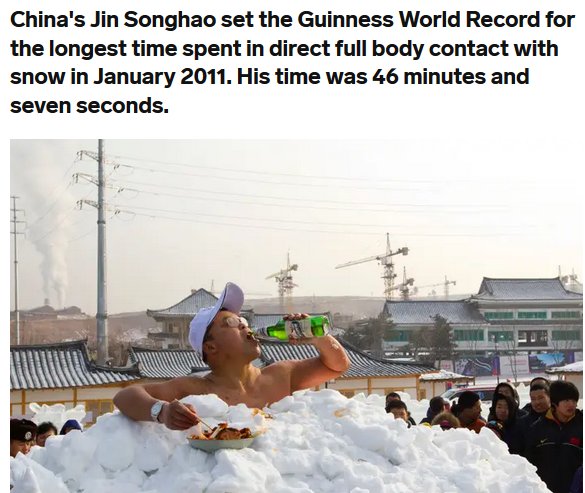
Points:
(511, 347)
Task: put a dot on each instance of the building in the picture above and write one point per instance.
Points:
(531, 314)
(63, 374)
(512, 320)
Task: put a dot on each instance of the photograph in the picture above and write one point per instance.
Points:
(338, 314)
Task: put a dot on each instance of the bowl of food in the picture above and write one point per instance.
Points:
(222, 437)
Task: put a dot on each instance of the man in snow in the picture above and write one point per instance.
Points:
(227, 345)
(555, 440)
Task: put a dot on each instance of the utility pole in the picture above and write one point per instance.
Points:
(102, 312)
(14, 232)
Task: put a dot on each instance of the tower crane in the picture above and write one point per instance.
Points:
(445, 285)
(285, 283)
(385, 260)
(404, 286)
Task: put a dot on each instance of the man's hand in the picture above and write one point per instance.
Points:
(178, 416)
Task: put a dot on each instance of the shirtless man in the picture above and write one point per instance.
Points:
(224, 340)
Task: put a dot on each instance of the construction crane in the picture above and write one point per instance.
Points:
(385, 260)
(285, 283)
(405, 285)
(445, 285)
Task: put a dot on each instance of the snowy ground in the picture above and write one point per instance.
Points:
(316, 442)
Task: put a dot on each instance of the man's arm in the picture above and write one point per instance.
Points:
(331, 363)
(136, 401)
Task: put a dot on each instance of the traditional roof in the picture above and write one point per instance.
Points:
(61, 365)
(421, 312)
(444, 375)
(187, 307)
(576, 367)
(165, 363)
(362, 365)
(524, 289)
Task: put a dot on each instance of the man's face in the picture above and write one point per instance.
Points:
(20, 446)
(231, 337)
(471, 414)
(400, 414)
(566, 409)
(540, 401)
(42, 438)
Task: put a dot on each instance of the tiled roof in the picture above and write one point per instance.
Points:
(362, 365)
(62, 365)
(165, 363)
(187, 307)
(524, 289)
(420, 312)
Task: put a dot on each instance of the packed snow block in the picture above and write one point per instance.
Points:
(209, 405)
(316, 442)
(28, 476)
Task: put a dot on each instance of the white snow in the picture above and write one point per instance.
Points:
(56, 414)
(443, 375)
(315, 442)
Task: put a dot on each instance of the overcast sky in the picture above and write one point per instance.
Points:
(184, 213)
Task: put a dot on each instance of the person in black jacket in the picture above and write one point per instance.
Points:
(555, 440)
(505, 388)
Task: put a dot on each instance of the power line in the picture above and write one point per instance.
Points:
(465, 207)
(121, 207)
(311, 177)
(274, 228)
(265, 182)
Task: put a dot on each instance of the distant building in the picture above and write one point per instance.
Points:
(506, 316)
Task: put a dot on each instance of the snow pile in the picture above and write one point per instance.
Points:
(315, 442)
(56, 414)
